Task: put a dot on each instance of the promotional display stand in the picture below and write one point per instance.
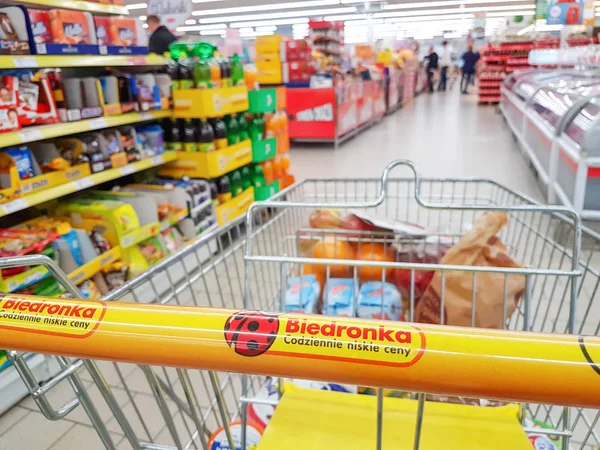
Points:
(334, 114)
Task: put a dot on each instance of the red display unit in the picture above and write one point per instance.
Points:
(334, 114)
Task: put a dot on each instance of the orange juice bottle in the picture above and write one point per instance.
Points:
(267, 167)
(215, 72)
(285, 162)
(250, 77)
(270, 127)
(277, 167)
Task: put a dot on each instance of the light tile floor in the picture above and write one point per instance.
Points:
(445, 134)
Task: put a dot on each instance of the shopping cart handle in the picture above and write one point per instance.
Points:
(470, 362)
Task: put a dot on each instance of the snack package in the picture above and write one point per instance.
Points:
(41, 28)
(69, 27)
(337, 297)
(373, 295)
(478, 247)
(542, 441)
(123, 32)
(23, 161)
(103, 34)
(302, 294)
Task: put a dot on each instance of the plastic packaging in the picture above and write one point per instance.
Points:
(337, 297)
(202, 74)
(220, 132)
(224, 189)
(237, 71)
(189, 137)
(302, 294)
(243, 127)
(236, 183)
(206, 137)
(377, 300)
(231, 124)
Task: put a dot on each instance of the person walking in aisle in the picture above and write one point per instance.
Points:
(469, 59)
(445, 62)
(431, 66)
(161, 37)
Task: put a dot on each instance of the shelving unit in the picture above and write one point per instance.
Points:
(48, 61)
(42, 132)
(77, 5)
(84, 183)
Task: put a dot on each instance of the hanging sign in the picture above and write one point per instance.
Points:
(172, 13)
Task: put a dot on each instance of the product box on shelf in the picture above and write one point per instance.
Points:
(262, 101)
(9, 103)
(264, 149)
(297, 71)
(69, 32)
(10, 182)
(209, 165)
(266, 192)
(120, 36)
(269, 72)
(232, 209)
(208, 103)
(37, 105)
(14, 35)
(268, 44)
(295, 50)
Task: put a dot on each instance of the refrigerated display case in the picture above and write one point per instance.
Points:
(555, 116)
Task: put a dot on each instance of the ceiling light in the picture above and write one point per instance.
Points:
(512, 13)
(445, 3)
(264, 33)
(190, 22)
(247, 30)
(291, 5)
(260, 23)
(145, 25)
(339, 18)
(136, 6)
(278, 15)
(216, 26)
(142, 18)
(267, 28)
(211, 32)
(454, 11)
(303, 26)
(431, 18)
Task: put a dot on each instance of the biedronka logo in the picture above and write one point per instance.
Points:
(394, 344)
(65, 318)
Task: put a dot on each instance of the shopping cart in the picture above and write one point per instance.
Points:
(247, 266)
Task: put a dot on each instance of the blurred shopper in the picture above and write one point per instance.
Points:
(431, 66)
(445, 62)
(469, 59)
(161, 37)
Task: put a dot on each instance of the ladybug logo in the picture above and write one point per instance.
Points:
(251, 333)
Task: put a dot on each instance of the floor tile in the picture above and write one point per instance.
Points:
(11, 417)
(81, 437)
(35, 432)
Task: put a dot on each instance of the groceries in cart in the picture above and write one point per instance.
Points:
(413, 293)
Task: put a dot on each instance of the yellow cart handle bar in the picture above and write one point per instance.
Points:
(470, 362)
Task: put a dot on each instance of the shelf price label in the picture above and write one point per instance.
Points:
(30, 136)
(127, 170)
(100, 122)
(84, 183)
(157, 160)
(15, 205)
(22, 62)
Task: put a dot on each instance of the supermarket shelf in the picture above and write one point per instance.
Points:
(174, 220)
(88, 270)
(322, 420)
(12, 389)
(201, 207)
(140, 235)
(84, 183)
(41, 132)
(35, 61)
(77, 5)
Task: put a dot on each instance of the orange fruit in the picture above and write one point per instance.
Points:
(330, 248)
(373, 252)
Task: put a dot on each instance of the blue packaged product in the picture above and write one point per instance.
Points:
(370, 299)
(302, 294)
(23, 161)
(338, 296)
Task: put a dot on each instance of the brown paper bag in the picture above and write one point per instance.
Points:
(479, 247)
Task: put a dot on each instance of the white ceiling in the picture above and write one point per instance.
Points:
(392, 18)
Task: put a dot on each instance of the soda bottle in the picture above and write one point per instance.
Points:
(258, 176)
(220, 133)
(215, 73)
(202, 74)
(277, 167)
(225, 72)
(250, 77)
(233, 136)
(214, 192)
(176, 136)
(285, 162)
(246, 177)
(257, 128)
(237, 71)
(236, 183)
(206, 137)
(189, 136)
(243, 128)
(173, 72)
(267, 167)
(271, 127)
(224, 189)
(186, 76)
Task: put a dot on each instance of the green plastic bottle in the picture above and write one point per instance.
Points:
(237, 71)
(258, 176)
(246, 177)
(243, 128)
(201, 74)
(233, 133)
(257, 128)
(235, 179)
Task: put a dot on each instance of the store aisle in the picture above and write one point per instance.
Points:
(446, 134)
